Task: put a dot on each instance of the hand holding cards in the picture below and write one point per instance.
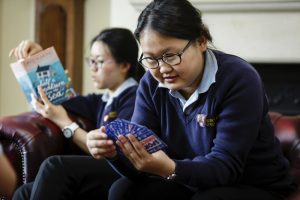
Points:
(147, 138)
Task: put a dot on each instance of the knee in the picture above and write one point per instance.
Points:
(52, 165)
(119, 189)
(50, 162)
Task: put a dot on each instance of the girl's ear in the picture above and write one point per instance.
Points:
(125, 67)
(202, 43)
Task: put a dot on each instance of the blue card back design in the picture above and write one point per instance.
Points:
(145, 136)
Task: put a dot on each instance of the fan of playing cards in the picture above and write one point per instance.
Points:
(147, 138)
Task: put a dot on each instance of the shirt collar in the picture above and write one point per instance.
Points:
(108, 96)
(209, 77)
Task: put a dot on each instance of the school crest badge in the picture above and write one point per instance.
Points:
(204, 121)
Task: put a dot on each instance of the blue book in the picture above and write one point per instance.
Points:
(45, 69)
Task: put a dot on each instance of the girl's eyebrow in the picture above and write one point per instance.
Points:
(162, 52)
(96, 57)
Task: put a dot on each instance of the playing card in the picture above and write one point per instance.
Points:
(148, 139)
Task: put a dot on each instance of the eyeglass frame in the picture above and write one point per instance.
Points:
(98, 63)
(165, 55)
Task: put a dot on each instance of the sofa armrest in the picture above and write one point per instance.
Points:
(29, 138)
(287, 130)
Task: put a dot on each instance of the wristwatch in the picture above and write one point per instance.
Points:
(171, 177)
(69, 130)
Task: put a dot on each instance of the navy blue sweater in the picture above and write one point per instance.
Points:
(93, 108)
(226, 139)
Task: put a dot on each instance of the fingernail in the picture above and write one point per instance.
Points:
(121, 139)
(110, 142)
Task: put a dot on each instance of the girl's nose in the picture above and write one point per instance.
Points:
(93, 67)
(164, 67)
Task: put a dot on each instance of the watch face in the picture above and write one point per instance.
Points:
(68, 133)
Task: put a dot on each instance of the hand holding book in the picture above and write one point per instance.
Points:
(25, 49)
(45, 69)
(55, 113)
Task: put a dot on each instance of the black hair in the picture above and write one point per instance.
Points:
(175, 18)
(123, 47)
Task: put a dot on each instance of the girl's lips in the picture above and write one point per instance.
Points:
(170, 79)
(93, 77)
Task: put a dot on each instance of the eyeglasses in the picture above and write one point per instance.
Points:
(97, 63)
(168, 58)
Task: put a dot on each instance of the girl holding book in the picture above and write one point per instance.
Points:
(114, 67)
(211, 110)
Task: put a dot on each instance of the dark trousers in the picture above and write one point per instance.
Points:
(124, 189)
(69, 177)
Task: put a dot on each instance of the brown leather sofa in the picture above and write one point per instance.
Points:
(29, 138)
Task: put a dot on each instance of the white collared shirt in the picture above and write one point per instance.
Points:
(1, 149)
(209, 77)
(108, 96)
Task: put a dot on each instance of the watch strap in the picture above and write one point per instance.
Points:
(72, 127)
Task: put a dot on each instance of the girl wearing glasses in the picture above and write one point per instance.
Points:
(211, 110)
(113, 64)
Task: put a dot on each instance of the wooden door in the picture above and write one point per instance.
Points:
(59, 23)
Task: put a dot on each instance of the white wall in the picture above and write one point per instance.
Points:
(97, 17)
(16, 24)
(123, 14)
(257, 37)
(1, 71)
